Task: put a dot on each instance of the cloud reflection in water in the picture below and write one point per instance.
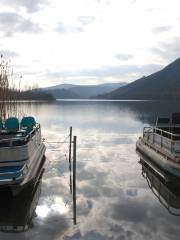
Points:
(113, 200)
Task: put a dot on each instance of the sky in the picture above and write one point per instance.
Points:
(51, 42)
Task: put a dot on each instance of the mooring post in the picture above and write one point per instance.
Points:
(74, 179)
(70, 142)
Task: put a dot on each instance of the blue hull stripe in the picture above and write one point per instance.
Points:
(14, 161)
(11, 169)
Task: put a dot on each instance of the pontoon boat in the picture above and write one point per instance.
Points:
(21, 152)
(162, 143)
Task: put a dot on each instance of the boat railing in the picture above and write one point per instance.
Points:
(20, 137)
(168, 141)
(164, 133)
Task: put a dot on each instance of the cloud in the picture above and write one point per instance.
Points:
(153, 9)
(11, 23)
(133, 1)
(124, 57)
(29, 5)
(134, 213)
(107, 71)
(168, 51)
(8, 54)
(161, 29)
(85, 20)
(62, 28)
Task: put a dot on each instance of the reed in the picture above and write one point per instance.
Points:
(11, 91)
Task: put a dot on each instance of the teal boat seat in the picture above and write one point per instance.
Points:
(12, 124)
(1, 124)
(28, 123)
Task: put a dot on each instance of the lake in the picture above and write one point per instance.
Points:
(114, 200)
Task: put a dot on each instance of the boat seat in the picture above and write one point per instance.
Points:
(28, 123)
(12, 124)
(162, 122)
(175, 118)
(175, 130)
(1, 124)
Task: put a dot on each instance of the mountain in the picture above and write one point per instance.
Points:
(164, 84)
(63, 94)
(60, 86)
(81, 91)
(88, 91)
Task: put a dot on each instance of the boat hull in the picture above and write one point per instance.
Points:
(34, 166)
(22, 153)
(158, 158)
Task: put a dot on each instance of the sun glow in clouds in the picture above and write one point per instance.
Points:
(79, 39)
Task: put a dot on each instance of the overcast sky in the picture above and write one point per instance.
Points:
(88, 41)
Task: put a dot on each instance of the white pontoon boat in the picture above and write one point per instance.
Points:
(21, 152)
(162, 143)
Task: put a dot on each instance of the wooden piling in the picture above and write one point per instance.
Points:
(74, 179)
(70, 142)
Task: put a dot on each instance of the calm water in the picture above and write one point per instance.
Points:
(114, 199)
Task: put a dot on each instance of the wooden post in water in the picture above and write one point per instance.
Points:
(70, 141)
(74, 180)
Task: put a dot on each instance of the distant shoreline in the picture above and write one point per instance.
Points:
(102, 100)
